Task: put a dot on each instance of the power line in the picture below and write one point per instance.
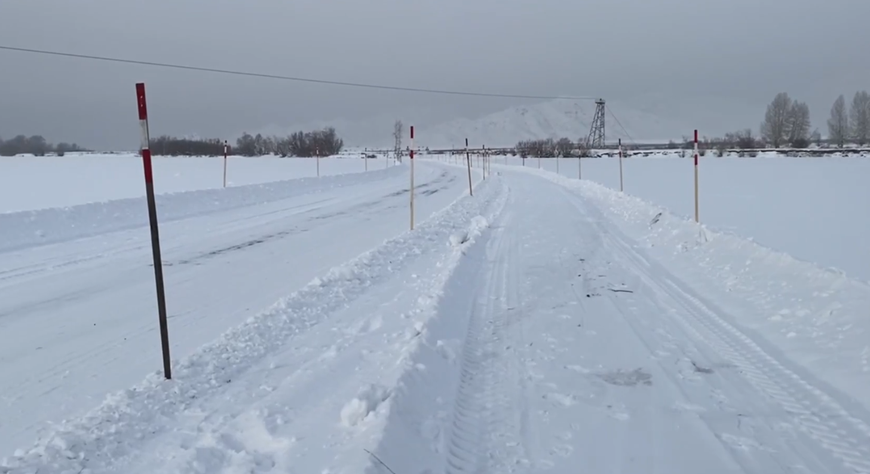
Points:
(620, 125)
(284, 78)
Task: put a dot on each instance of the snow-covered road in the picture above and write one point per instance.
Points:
(582, 355)
(516, 331)
(78, 318)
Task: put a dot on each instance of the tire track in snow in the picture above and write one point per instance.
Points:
(486, 425)
(127, 421)
(844, 436)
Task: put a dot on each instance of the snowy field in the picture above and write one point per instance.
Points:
(28, 182)
(810, 208)
(542, 325)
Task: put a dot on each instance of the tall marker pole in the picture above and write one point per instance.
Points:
(412, 176)
(468, 163)
(483, 157)
(620, 165)
(697, 214)
(145, 150)
(317, 153)
(366, 158)
(226, 146)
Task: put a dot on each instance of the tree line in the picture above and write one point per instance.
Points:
(300, 144)
(787, 124)
(852, 126)
(551, 148)
(35, 145)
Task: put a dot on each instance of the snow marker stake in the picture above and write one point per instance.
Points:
(317, 154)
(411, 154)
(468, 163)
(697, 214)
(557, 163)
(226, 147)
(145, 150)
(483, 156)
(620, 165)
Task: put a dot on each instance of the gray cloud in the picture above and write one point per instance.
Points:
(671, 56)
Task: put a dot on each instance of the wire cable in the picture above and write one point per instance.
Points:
(627, 135)
(284, 78)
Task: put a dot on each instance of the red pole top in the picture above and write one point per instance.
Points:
(412, 132)
(696, 136)
(140, 98)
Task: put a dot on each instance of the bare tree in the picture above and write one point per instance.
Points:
(798, 125)
(838, 124)
(860, 115)
(774, 129)
(397, 136)
(564, 147)
(324, 142)
(245, 145)
(742, 139)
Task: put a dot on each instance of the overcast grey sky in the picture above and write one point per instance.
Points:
(664, 54)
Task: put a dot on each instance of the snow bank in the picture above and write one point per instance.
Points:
(413, 440)
(755, 198)
(122, 425)
(368, 400)
(815, 316)
(46, 226)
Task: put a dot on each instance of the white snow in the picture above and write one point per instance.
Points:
(79, 316)
(545, 324)
(809, 208)
(28, 182)
(368, 400)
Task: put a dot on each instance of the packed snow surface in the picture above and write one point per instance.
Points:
(813, 209)
(543, 324)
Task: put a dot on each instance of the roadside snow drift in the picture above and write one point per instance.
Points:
(817, 317)
(304, 385)
(60, 224)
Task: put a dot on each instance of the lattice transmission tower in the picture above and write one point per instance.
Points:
(596, 132)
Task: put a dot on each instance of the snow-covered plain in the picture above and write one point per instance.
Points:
(28, 182)
(813, 209)
(542, 325)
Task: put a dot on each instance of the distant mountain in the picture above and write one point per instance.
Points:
(554, 119)
(642, 122)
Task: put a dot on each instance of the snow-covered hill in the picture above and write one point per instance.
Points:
(556, 119)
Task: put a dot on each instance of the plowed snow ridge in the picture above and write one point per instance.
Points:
(543, 325)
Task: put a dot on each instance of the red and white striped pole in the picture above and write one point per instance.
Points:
(145, 150)
(697, 214)
(620, 165)
(411, 154)
(226, 151)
